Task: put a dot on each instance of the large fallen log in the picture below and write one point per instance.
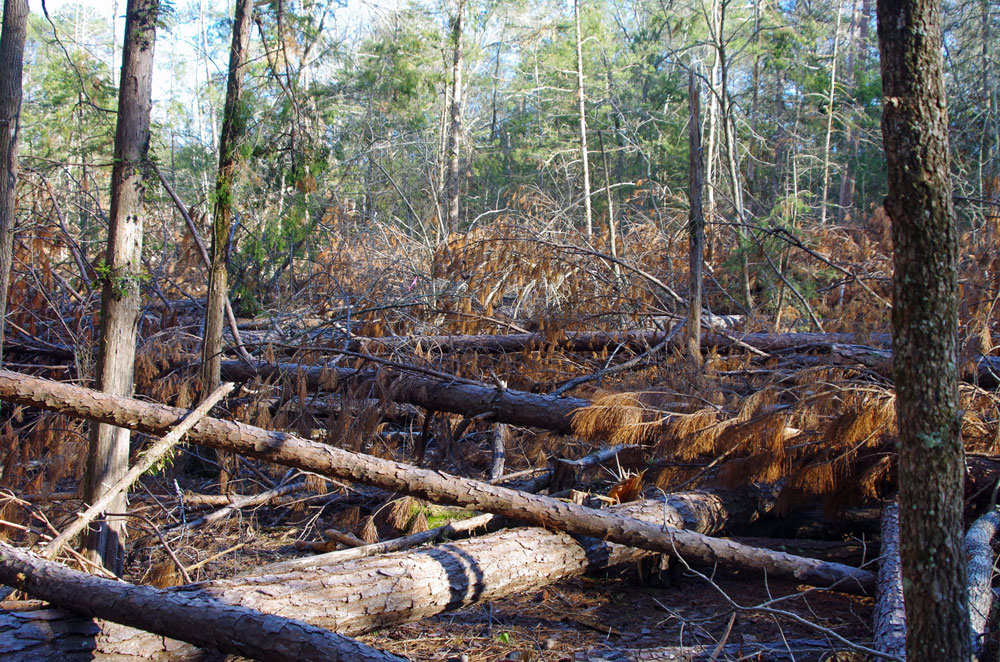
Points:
(190, 617)
(507, 405)
(375, 592)
(287, 449)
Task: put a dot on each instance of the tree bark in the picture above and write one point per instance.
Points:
(696, 219)
(233, 127)
(371, 593)
(192, 617)
(925, 324)
(107, 457)
(889, 615)
(979, 552)
(284, 448)
(15, 21)
(634, 341)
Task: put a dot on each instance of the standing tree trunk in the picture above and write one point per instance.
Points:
(582, 100)
(924, 322)
(15, 20)
(233, 127)
(857, 62)
(107, 457)
(696, 219)
(732, 157)
(829, 118)
(451, 188)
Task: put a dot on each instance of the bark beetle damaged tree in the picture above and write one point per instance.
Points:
(924, 321)
(107, 458)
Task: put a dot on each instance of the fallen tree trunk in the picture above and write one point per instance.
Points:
(890, 617)
(376, 592)
(193, 618)
(870, 350)
(979, 552)
(635, 341)
(289, 450)
(507, 405)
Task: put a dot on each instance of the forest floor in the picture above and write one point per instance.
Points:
(810, 412)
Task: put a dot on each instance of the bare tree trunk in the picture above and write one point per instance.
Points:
(696, 219)
(107, 458)
(470, 399)
(582, 101)
(15, 21)
(233, 128)
(713, 117)
(452, 185)
(501, 433)
(829, 118)
(733, 159)
(858, 61)
(925, 325)
(191, 617)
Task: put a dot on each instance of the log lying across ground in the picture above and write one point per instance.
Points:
(289, 450)
(196, 619)
(507, 405)
(635, 341)
(871, 350)
(376, 592)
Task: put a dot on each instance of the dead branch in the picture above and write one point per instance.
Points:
(455, 527)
